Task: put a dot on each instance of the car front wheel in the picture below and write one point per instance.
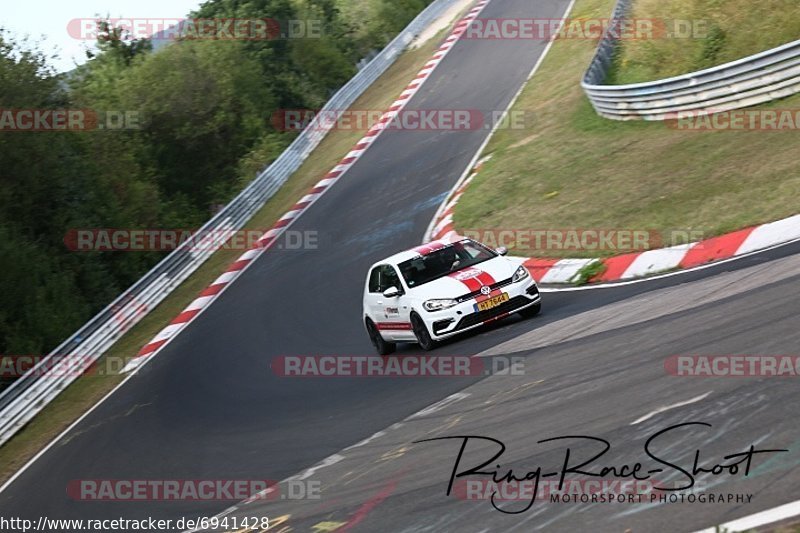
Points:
(421, 332)
(382, 347)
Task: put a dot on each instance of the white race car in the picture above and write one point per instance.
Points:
(442, 288)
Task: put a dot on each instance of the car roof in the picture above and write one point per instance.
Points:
(417, 251)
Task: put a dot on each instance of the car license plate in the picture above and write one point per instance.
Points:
(492, 302)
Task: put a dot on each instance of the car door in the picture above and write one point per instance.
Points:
(373, 293)
(388, 313)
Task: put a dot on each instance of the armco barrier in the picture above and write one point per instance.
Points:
(748, 81)
(29, 394)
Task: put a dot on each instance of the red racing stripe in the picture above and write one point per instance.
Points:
(485, 278)
(397, 326)
(472, 284)
(473, 278)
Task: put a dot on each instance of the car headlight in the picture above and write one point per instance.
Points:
(438, 305)
(520, 274)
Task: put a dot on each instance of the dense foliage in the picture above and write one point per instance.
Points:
(203, 109)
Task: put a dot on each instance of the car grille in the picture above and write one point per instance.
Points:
(493, 286)
(481, 316)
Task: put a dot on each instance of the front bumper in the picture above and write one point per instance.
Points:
(463, 317)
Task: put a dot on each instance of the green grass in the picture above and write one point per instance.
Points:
(85, 392)
(587, 272)
(723, 31)
(570, 168)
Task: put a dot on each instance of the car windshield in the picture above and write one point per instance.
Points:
(451, 258)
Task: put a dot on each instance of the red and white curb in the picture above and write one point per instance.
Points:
(246, 259)
(443, 219)
(681, 257)
(637, 264)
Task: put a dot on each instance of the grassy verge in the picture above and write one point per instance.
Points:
(715, 32)
(569, 168)
(85, 392)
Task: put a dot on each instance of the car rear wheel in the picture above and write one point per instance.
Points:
(382, 347)
(531, 311)
(421, 332)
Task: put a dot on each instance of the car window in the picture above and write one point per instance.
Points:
(382, 277)
(452, 258)
(388, 277)
(374, 280)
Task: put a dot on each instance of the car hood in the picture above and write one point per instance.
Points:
(467, 280)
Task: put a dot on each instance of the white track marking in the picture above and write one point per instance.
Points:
(366, 441)
(438, 406)
(328, 461)
(660, 410)
(770, 516)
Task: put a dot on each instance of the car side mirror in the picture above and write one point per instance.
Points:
(502, 250)
(391, 292)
